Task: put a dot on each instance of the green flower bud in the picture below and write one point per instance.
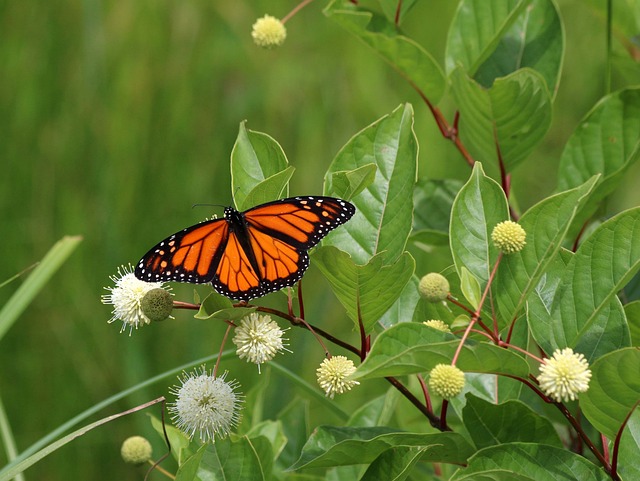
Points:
(157, 304)
(446, 381)
(434, 287)
(136, 450)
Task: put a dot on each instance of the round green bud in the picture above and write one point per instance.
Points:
(434, 287)
(509, 237)
(446, 381)
(136, 450)
(157, 304)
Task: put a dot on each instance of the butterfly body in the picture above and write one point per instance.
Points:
(247, 254)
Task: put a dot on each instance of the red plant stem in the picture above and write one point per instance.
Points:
(398, 9)
(300, 299)
(425, 391)
(574, 247)
(433, 419)
(443, 414)
(224, 341)
(616, 443)
(453, 300)
(185, 305)
(363, 335)
(519, 349)
(295, 10)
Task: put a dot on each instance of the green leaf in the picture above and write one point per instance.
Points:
(406, 56)
(338, 446)
(489, 424)
(470, 288)
(404, 308)
(255, 157)
(377, 412)
(628, 462)
(274, 187)
(513, 115)
(546, 225)
(348, 184)
(614, 390)
(33, 284)
(242, 459)
(180, 442)
(295, 425)
(394, 464)
(478, 207)
(188, 470)
(536, 462)
(433, 200)
(495, 39)
(607, 142)
(632, 313)
(367, 291)
(273, 431)
(219, 307)
(412, 347)
(592, 324)
(384, 218)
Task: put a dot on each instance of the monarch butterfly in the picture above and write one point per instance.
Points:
(247, 254)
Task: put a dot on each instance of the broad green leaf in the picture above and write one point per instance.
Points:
(478, 207)
(367, 291)
(34, 283)
(512, 115)
(489, 424)
(494, 39)
(537, 462)
(432, 200)
(219, 307)
(585, 313)
(272, 188)
(632, 313)
(614, 390)
(242, 459)
(628, 462)
(181, 448)
(273, 431)
(404, 308)
(255, 157)
(348, 184)
(377, 412)
(383, 219)
(338, 446)
(546, 225)
(406, 56)
(607, 142)
(394, 464)
(188, 470)
(412, 347)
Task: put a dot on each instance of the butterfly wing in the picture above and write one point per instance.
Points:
(269, 250)
(191, 255)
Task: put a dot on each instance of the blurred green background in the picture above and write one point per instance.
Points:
(117, 116)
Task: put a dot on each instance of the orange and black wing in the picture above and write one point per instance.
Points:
(269, 250)
(191, 255)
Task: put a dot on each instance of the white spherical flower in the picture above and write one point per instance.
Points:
(438, 325)
(268, 32)
(333, 375)
(126, 297)
(564, 375)
(205, 404)
(258, 338)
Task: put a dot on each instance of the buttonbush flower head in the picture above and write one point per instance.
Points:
(268, 32)
(205, 404)
(437, 324)
(446, 381)
(564, 375)
(136, 450)
(509, 237)
(127, 296)
(333, 375)
(434, 287)
(258, 338)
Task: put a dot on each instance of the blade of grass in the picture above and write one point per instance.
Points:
(36, 281)
(7, 438)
